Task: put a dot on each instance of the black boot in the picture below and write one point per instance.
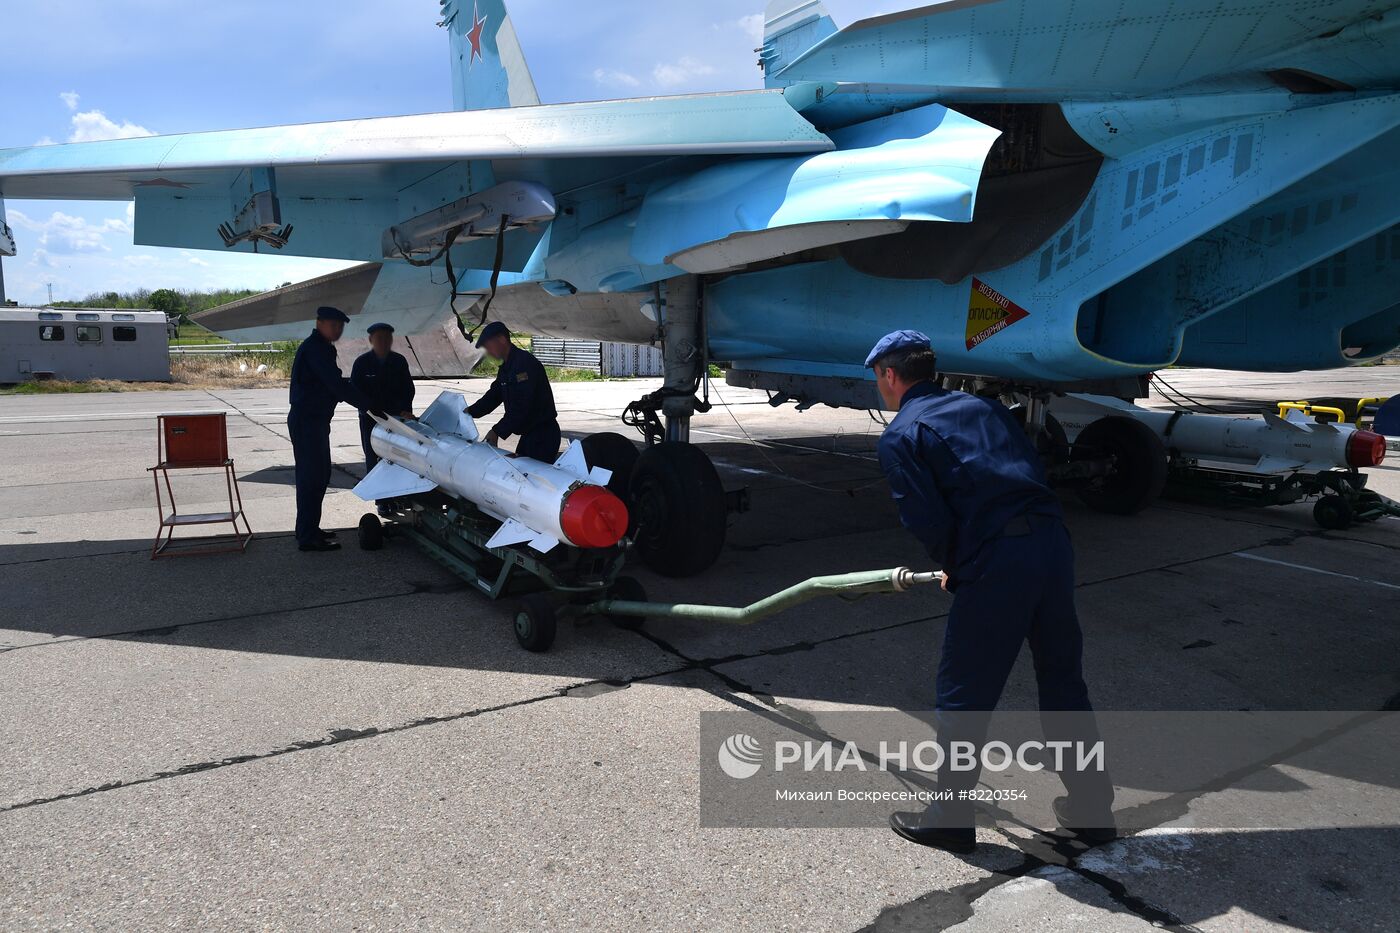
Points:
(911, 826)
(1095, 835)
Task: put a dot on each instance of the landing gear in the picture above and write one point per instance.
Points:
(679, 509)
(1136, 462)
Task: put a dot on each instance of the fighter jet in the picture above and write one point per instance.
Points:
(1059, 192)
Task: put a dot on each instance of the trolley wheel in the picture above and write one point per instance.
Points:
(612, 452)
(678, 508)
(371, 533)
(1333, 513)
(631, 590)
(1139, 465)
(535, 622)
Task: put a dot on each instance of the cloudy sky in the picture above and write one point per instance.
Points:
(98, 69)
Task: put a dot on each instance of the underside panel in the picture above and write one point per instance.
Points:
(1344, 309)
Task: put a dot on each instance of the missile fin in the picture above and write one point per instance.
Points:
(389, 481)
(573, 461)
(401, 428)
(512, 532)
(1286, 424)
(448, 415)
(544, 543)
(1277, 465)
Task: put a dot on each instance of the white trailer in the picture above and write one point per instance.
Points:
(80, 344)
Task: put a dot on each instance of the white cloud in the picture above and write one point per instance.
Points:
(94, 125)
(752, 25)
(679, 72)
(44, 141)
(66, 235)
(606, 76)
(70, 99)
(193, 259)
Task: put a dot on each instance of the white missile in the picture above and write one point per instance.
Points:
(539, 503)
(1268, 445)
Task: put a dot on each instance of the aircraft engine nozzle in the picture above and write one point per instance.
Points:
(592, 517)
(1365, 449)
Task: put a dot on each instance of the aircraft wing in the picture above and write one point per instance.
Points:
(352, 158)
(1045, 50)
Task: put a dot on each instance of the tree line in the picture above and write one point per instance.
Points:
(169, 300)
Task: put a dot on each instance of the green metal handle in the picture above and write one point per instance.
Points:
(863, 583)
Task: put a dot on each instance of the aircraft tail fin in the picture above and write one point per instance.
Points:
(791, 27)
(488, 66)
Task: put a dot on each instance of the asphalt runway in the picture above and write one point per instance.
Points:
(353, 741)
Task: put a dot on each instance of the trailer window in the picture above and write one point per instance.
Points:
(124, 334)
(89, 333)
(51, 332)
(50, 316)
(89, 317)
(123, 317)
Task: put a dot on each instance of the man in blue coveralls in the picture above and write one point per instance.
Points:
(523, 387)
(382, 376)
(970, 486)
(317, 387)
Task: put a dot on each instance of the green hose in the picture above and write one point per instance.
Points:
(863, 583)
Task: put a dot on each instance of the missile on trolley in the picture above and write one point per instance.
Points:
(538, 503)
(1270, 445)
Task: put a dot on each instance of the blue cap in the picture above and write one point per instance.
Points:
(326, 313)
(899, 340)
(380, 326)
(494, 329)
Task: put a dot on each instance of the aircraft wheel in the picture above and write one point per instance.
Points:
(612, 452)
(1139, 465)
(631, 590)
(678, 508)
(371, 533)
(1333, 513)
(535, 622)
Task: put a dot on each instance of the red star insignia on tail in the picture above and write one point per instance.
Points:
(474, 37)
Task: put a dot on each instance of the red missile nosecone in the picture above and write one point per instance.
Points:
(1365, 449)
(593, 517)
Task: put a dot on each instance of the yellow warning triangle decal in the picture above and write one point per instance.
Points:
(990, 312)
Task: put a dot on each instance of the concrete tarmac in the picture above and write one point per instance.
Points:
(280, 740)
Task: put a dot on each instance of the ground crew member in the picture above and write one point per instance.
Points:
(382, 376)
(970, 486)
(317, 387)
(523, 387)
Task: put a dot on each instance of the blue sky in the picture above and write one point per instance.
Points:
(92, 69)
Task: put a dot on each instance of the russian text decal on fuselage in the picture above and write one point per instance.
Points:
(990, 312)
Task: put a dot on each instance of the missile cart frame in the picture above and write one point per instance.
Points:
(455, 533)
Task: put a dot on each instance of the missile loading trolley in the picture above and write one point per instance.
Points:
(557, 536)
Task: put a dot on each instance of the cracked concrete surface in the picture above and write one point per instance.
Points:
(353, 741)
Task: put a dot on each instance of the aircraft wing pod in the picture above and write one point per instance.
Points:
(353, 157)
(1042, 50)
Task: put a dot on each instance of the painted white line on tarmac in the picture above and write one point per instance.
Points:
(1326, 573)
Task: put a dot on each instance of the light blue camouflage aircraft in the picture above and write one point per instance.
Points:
(1059, 192)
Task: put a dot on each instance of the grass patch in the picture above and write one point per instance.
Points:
(195, 335)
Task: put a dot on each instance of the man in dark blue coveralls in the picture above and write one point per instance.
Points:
(970, 486)
(523, 387)
(317, 387)
(382, 376)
